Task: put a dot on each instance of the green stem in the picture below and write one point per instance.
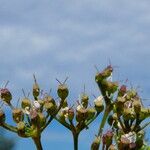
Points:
(9, 127)
(75, 140)
(106, 113)
(37, 141)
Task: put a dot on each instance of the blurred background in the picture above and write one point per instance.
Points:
(60, 38)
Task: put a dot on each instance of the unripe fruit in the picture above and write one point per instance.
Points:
(81, 115)
(99, 106)
(62, 91)
(84, 100)
(50, 107)
(6, 95)
(17, 115)
(25, 103)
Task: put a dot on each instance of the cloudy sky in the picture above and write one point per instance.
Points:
(59, 38)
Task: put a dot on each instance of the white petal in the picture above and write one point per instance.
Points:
(36, 104)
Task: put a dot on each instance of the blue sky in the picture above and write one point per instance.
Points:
(59, 38)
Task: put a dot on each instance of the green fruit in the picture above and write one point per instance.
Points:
(62, 91)
(25, 103)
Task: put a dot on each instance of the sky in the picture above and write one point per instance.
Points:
(60, 38)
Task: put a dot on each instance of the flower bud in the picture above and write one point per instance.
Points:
(6, 95)
(2, 117)
(17, 115)
(62, 91)
(96, 143)
(90, 113)
(25, 103)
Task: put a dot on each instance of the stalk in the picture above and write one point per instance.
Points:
(37, 141)
(75, 140)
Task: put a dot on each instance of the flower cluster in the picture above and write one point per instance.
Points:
(123, 111)
(79, 116)
(34, 115)
(120, 107)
